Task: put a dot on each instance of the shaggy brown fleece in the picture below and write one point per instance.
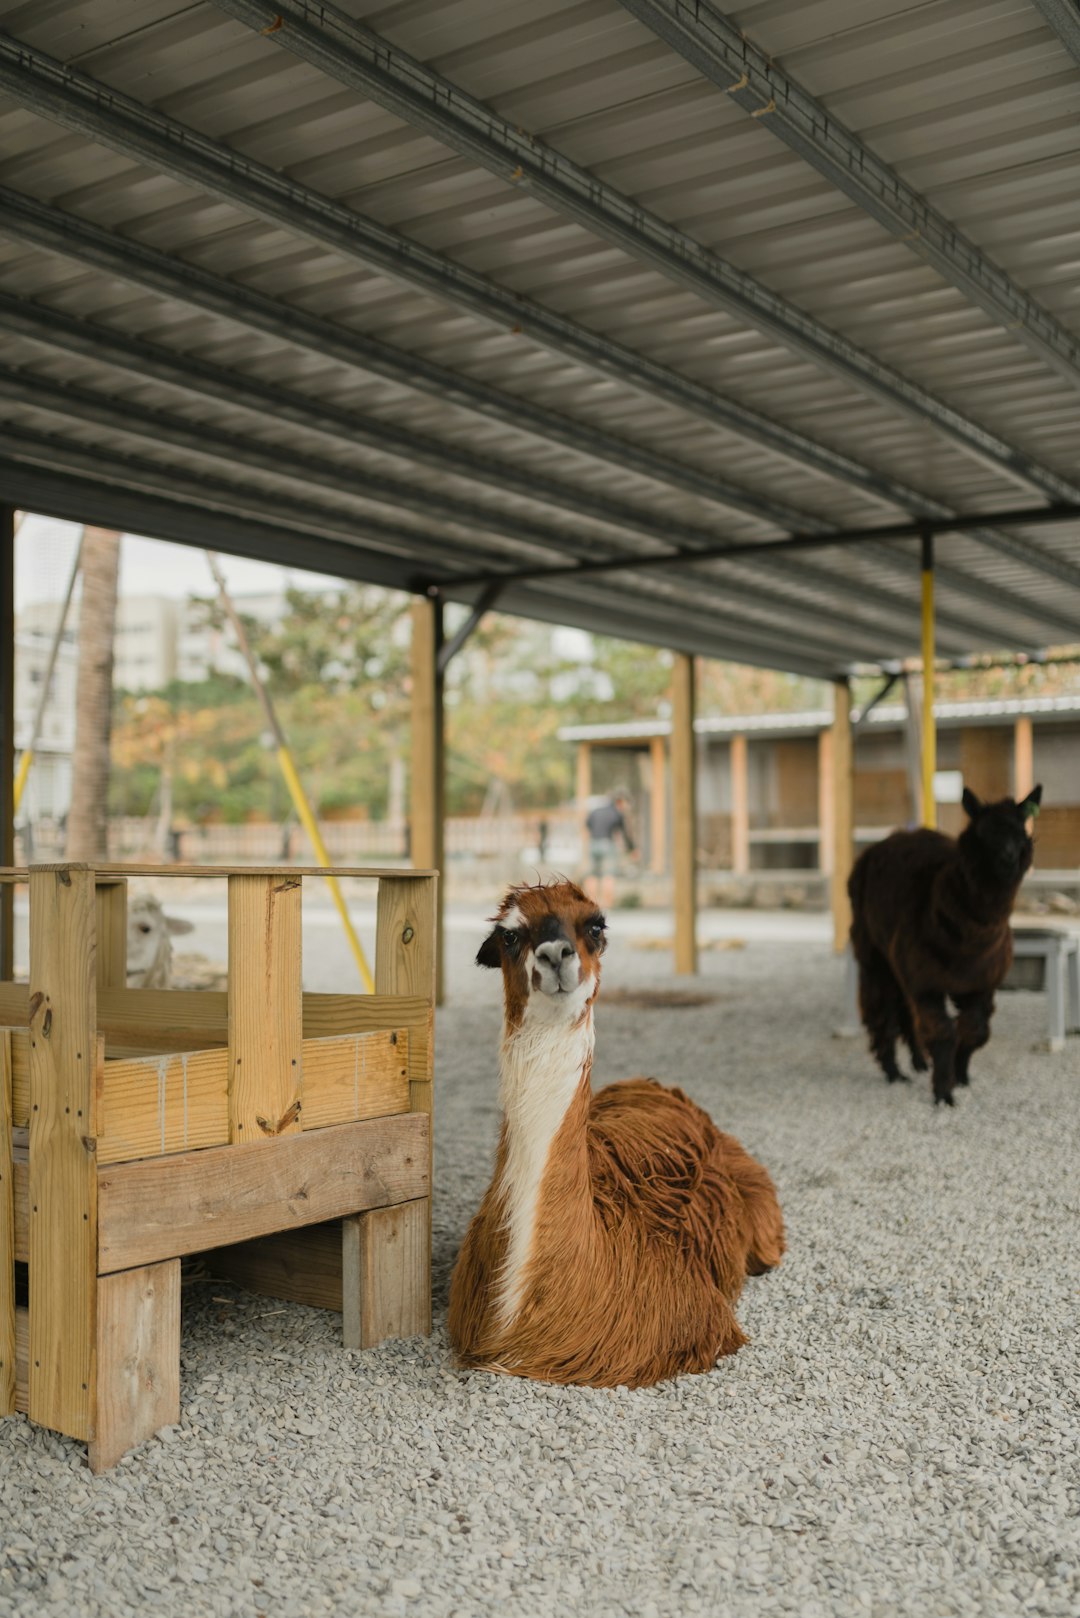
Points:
(648, 1221)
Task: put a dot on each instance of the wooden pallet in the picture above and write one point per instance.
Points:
(287, 1135)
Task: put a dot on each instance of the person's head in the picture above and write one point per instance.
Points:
(621, 798)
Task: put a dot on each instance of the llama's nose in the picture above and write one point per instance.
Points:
(555, 952)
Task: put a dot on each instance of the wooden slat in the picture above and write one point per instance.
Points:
(138, 1356)
(63, 1171)
(684, 813)
(161, 1208)
(357, 1076)
(111, 902)
(7, 1234)
(265, 1017)
(14, 1005)
(20, 873)
(364, 1013)
(301, 1266)
(154, 1106)
(22, 1360)
(20, 1077)
(20, 1183)
(386, 1287)
(162, 1104)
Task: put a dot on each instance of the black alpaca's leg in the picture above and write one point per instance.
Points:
(936, 1033)
(879, 997)
(907, 1034)
(972, 1029)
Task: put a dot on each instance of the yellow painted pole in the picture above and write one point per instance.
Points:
(929, 736)
(292, 779)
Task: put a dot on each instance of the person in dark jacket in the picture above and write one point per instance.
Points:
(606, 826)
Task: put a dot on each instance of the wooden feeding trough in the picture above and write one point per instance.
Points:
(285, 1135)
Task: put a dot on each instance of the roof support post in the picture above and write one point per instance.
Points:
(740, 806)
(684, 814)
(657, 806)
(7, 736)
(843, 813)
(929, 735)
(1023, 757)
(428, 788)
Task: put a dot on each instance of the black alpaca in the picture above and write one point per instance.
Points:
(930, 923)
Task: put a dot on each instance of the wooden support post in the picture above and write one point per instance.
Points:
(386, 1274)
(265, 1007)
(684, 814)
(111, 900)
(428, 789)
(138, 1358)
(740, 806)
(843, 794)
(7, 737)
(657, 804)
(826, 803)
(405, 965)
(1023, 757)
(7, 1234)
(63, 1146)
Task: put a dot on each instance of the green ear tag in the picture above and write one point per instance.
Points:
(1034, 811)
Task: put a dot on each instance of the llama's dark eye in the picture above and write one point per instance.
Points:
(511, 937)
(595, 928)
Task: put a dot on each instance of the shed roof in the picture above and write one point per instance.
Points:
(431, 294)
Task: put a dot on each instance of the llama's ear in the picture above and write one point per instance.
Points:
(489, 953)
(1030, 806)
(971, 803)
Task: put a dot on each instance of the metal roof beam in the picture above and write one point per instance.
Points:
(713, 45)
(79, 102)
(56, 329)
(1064, 18)
(160, 427)
(355, 56)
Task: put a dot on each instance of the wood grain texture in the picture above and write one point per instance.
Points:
(843, 814)
(301, 1266)
(63, 1170)
(160, 1208)
(265, 1017)
(138, 1357)
(21, 873)
(7, 1234)
(19, 1057)
(155, 1105)
(111, 904)
(386, 1278)
(20, 1184)
(22, 1360)
(355, 1076)
(326, 1014)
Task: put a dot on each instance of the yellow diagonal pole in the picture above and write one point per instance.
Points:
(30, 749)
(929, 736)
(299, 797)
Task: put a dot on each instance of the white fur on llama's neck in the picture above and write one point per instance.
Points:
(540, 1071)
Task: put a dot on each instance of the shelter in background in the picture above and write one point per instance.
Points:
(765, 788)
(629, 317)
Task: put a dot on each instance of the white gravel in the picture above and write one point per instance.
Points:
(901, 1436)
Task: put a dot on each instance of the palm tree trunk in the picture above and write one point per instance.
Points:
(87, 829)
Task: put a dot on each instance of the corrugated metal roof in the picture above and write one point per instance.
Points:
(261, 365)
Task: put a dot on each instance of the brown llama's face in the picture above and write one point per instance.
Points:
(548, 942)
(996, 841)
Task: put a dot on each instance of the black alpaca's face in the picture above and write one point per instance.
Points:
(997, 838)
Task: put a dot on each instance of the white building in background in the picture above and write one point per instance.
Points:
(144, 651)
(48, 789)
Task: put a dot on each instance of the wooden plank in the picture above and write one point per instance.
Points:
(1023, 771)
(138, 1358)
(301, 1266)
(111, 905)
(14, 1005)
(19, 1049)
(371, 873)
(20, 1186)
(355, 1076)
(684, 814)
(155, 1105)
(164, 1207)
(7, 1234)
(386, 1274)
(326, 1014)
(843, 815)
(22, 1360)
(740, 805)
(428, 785)
(265, 1017)
(658, 853)
(63, 1170)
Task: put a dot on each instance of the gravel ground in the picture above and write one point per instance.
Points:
(902, 1435)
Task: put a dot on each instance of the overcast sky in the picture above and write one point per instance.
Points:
(44, 551)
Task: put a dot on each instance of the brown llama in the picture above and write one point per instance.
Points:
(619, 1227)
(930, 923)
